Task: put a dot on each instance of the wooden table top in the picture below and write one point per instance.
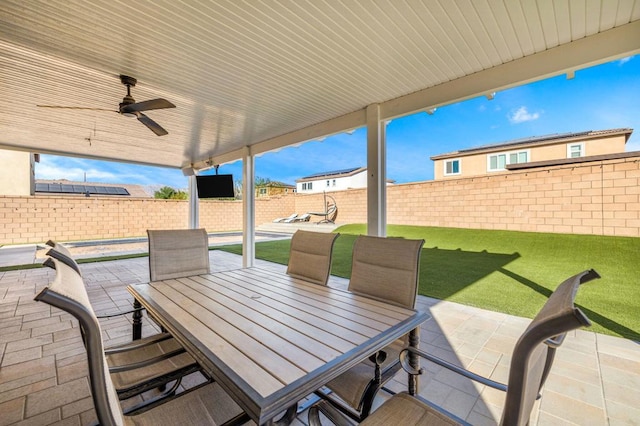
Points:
(270, 339)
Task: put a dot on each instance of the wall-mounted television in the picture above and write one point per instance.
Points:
(215, 186)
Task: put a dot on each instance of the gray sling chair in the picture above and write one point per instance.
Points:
(204, 404)
(177, 253)
(140, 365)
(386, 269)
(310, 256)
(531, 362)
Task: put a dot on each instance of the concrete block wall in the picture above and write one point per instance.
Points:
(601, 198)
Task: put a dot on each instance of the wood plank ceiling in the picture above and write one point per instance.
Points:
(265, 73)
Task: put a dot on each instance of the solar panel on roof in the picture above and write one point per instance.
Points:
(335, 172)
(80, 189)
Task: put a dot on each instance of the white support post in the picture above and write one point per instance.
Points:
(248, 209)
(194, 205)
(376, 173)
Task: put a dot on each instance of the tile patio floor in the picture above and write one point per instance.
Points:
(43, 373)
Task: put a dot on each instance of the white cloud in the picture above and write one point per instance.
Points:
(624, 60)
(521, 115)
(53, 171)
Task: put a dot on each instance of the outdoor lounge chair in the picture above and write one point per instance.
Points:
(530, 365)
(310, 256)
(201, 405)
(178, 253)
(386, 269)
(302, 218)
(284, 219)
(144, 364)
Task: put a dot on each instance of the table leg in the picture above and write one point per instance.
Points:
(286, 418)
(414, 361)
(137, 320)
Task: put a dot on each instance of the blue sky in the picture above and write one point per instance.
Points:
(602, 97)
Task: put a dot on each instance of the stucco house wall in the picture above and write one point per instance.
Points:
(16, 173)
(474, 162)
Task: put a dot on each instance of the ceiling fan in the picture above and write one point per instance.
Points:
(130, 108)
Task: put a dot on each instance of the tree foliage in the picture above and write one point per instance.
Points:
(168, 193)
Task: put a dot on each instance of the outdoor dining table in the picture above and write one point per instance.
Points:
(270, 339)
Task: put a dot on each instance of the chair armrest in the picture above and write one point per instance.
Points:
(135, 365)
(335, 416)
(446, 364)
(555, 341)
(136, 344)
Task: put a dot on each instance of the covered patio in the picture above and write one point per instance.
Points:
(249, 78)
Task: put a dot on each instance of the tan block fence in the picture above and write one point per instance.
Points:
(600, 198)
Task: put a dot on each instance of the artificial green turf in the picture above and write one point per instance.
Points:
(511, 272)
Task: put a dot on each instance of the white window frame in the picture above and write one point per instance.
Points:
(507, 155)
(452, 160)
(582, 149)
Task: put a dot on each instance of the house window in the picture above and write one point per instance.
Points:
(263, 191)
(327, 184)
(452, 167)
(575, 150)
(334, 182)
(499, 162)
(304, 186)
(310, 185)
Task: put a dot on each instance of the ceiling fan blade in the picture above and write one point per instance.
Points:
(147, 105)
(73, 107)
(152, 125)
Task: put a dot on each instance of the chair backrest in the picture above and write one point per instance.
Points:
(67, 292)
(60, 252)
(310, 256)
(530, 361)
(387, 269)
(177, 253)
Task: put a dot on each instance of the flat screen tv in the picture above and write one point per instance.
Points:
(215, 186)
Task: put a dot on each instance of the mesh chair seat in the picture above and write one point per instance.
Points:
(132, 380)
(207, 405)
(403, 409)
(352, 386)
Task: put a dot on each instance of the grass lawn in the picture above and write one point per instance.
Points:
(511, 272)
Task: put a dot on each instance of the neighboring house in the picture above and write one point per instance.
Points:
(333, 181)
(17, 172)
(274, 188)
(88, 189)
(493, 158)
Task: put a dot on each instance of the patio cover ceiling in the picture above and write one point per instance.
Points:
(269, 74)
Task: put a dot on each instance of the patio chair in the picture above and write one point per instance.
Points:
(140, 365)
(62, 253)
(177, 253)
(200, 405)
(310, 256)
(386, 269)
(284, 219)
(302, 218)
(530, 365)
